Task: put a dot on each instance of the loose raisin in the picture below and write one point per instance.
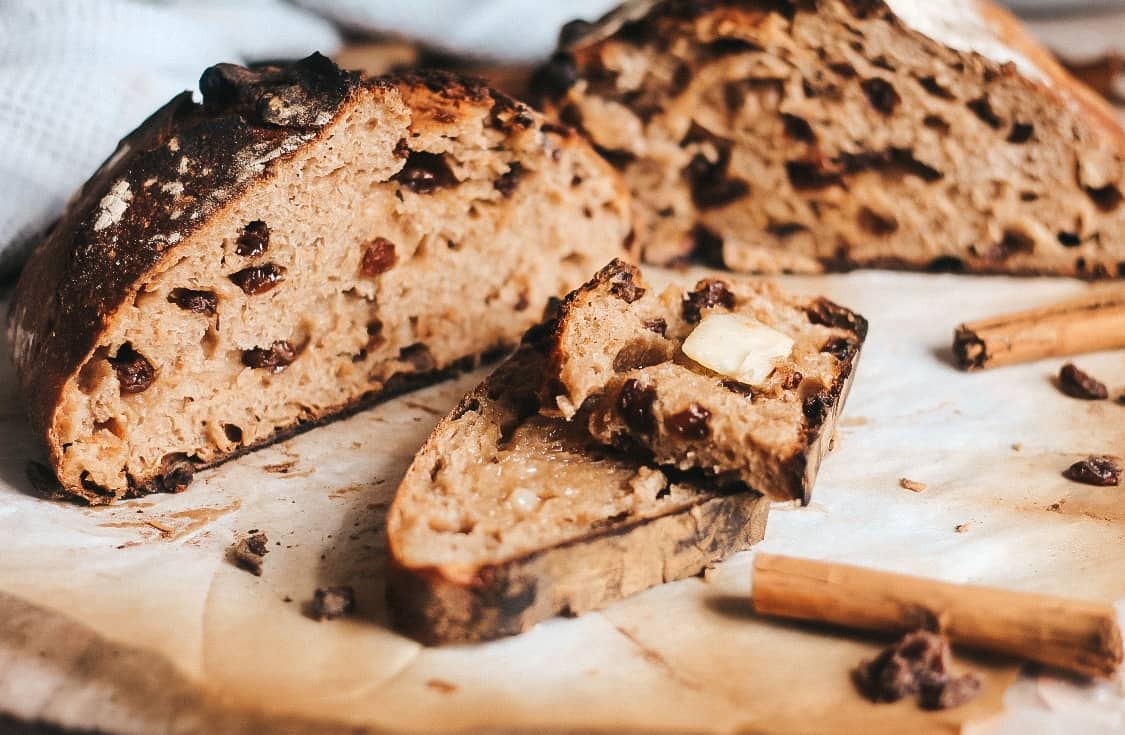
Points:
(1076, 383)
(1101, 471)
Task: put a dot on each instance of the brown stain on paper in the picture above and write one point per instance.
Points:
(177, 524)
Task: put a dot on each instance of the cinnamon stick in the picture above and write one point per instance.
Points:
(1087, 324)
(1078, 636)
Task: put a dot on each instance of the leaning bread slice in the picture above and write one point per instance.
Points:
(507, 517)
(829, 134)
(739, 380)
(302, 242)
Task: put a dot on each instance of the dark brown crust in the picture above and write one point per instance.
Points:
(509, 598)
(86, 270)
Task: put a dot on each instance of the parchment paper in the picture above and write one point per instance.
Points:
(130, 619)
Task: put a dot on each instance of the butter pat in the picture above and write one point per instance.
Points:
(738, 346)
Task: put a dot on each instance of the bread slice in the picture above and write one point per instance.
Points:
(507, 517)
(301, 243)
(802, 136)
(617, 361)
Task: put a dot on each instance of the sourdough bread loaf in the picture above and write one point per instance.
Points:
(302, 242)
(507, 517)
(803, 136)
(623, 360)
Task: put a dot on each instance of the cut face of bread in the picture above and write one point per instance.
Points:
(302, 242)
(507, 517)
(739, 380)
(809, 135)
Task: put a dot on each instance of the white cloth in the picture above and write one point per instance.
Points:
(77, 75)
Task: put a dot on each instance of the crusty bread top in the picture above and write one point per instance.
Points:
(123, 223)
(980, 27)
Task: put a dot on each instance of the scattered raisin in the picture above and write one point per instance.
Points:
(828, 314)
(792, 381)
(274, 358)
(199, 302)
(425, 172)
(622, 286)
(691, 423)
(1078, 384)
(378, 257)
(249, 553)
(920, 664)
(176, 473)
(708, 293)
(254, 240)
(735, 387)
(711, 186)
(259, 279)
(838, 347)
(635, 405)
(1101, 471)
(509, 180)
(658, 325)
(134, 373)
(816, 407)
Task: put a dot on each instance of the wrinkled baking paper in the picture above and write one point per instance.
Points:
(130, 619)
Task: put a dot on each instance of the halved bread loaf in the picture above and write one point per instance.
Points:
(810, 135)
(301, 243)
(619, 363)
(507, 517)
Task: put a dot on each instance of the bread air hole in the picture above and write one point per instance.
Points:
(982, 108)
(877, 224)
(112, 425)
(932, 87)
(1021, 133)
(94, 372)
(639, 354)
(936, 122)
(1069, 239)
(233, 433)
(1106, 198)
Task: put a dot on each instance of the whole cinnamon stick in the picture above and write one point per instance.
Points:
(1087, 324)
(1074, 635)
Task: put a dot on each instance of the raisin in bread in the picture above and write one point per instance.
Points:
(776, 136)
(507, 517)
(759, 410)
(302, 242)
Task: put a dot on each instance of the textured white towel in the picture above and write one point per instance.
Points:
(77, 75)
